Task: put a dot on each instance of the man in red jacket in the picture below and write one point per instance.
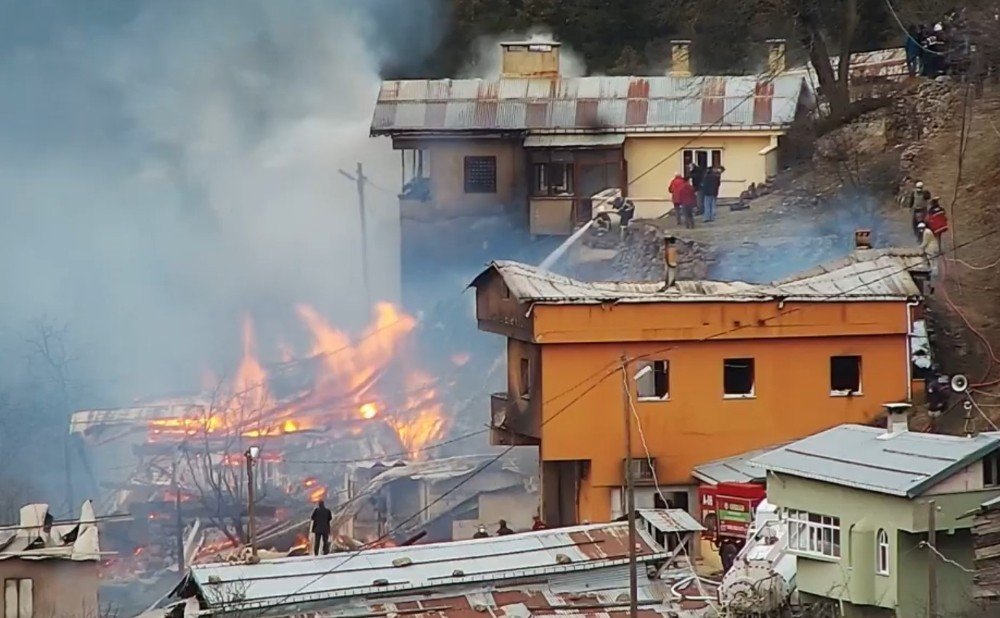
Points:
(687, 199)
(673, 189)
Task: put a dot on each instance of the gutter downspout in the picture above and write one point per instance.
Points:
(909, 348)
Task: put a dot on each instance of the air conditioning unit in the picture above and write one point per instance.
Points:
(642, 470)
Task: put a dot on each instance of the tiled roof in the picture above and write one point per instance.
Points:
(587, 104)
(861, 457)
(870, 276)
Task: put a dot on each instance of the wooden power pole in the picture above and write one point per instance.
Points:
(932, 560)
(633, 580)
(179, 520)
(360, 179)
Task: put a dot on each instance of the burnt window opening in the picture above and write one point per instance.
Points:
(738, 377)
(991, 470)
(480, 174)
(845, 375)
(504, 290)
(552, 179)
(655, 383)
(525, 383)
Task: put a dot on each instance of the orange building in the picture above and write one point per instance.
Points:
(723, 368)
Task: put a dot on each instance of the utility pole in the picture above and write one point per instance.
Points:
(633, 580)
(360, 179)
(177, 516)
(931, 560)
(251, 455)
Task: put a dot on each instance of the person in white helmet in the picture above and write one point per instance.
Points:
(931, 247)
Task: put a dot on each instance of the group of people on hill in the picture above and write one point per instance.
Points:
(938, 49)
(930, 222)
(696, 192)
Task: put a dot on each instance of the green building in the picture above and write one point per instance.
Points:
(857, 501)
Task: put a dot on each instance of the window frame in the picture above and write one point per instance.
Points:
(651, 363)
(813, 535)
(753, 379)
(469, 185)
(991, 463)
(846, 392)
(882, 552)
(22, 586)
(690, 155)
(541, 179)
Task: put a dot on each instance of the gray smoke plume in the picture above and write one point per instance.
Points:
(166, 167)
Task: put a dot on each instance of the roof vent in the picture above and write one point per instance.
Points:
(680, 58)
(402, 562)
(897, 420)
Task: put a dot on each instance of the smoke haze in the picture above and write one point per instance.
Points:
(166, 167)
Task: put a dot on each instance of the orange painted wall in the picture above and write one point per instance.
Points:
(697, 424)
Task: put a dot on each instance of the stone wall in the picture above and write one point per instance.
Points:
(641, 256)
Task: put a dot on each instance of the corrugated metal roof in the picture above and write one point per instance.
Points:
(30, 541)
(577, 140)
(860, 457)
(670, 520)
(736, 469)
(324, 580)
(588, 104)
(866, 277)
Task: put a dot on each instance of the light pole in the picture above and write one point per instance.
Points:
(633, 578)
(251, 455)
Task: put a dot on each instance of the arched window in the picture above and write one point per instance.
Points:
(882, 552)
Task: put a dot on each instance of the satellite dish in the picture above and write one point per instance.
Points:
(959, 383)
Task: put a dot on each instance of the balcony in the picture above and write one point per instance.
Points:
(504, 424)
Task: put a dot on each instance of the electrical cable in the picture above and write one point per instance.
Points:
(555, 415)
(892, 10)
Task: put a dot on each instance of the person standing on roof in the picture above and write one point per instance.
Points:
(930, 246)
(710, 187)
(481, 533)
(503, 530)
(321, 518)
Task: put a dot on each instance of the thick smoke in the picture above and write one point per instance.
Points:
(166, 167)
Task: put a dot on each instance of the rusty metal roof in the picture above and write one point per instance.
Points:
(587, 104)
(864, 276)
(440, 569)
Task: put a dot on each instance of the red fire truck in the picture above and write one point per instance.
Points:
(727, 512)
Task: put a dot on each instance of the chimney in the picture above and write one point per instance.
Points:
(863, 239)
(897, 420)
(670, 260)
(680, 58)
(776, 56)
(530, 59)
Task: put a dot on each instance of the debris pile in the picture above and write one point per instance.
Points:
(921, 113)
(641, 256)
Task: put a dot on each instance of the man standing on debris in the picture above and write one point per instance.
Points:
(710, 187)
(930, 246)
(321, 518)
(481, 533)
(697, 175)
(688, 200)
(674, 189)
(503, 530)
(537, 524)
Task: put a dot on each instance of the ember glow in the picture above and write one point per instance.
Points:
(367, 378)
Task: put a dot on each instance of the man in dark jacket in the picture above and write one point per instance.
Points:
(710, 187)
(697, 176)
(321, 518)
(503, 530)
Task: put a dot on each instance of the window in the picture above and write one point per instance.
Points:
(845, 375)
(654, 383)
(812, 534)
(882, 552)
(554, 178)
(705, 157)
(991, 470)
(504, 290)
(525, 385)
(480, 174)
(18, 598)
(737, 377)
